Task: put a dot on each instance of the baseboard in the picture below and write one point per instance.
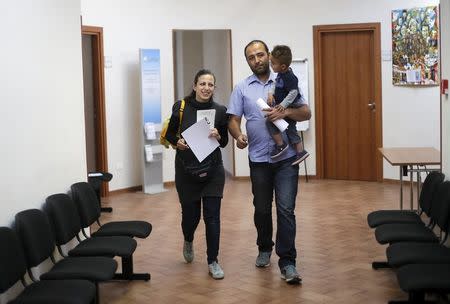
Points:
(247, 178)
(303, 177)
(169, 184)
(126, 190)
(397, 182)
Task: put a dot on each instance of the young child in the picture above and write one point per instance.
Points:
(284, 94)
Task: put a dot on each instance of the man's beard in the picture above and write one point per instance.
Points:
(262, 69)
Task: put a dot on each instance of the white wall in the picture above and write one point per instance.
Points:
(410, 115)
(41, 94)
(445, 57)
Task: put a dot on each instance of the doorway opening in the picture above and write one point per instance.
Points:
(210, 49)
(94, 102)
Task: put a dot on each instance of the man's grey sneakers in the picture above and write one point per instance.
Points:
(188, 251)
(215, 271)
(290, 275)
(263, 259)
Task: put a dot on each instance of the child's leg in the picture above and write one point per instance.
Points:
(281, 147)
(299, 147)
(275, 133)
(278, 139)
(292, 134)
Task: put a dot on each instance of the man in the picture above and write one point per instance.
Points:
(267, 175)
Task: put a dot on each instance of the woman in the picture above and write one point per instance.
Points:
(192, 189)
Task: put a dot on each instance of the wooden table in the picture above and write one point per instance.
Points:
(406, 159)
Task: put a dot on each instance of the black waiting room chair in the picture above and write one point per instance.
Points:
(404, 253)
(95, 179)
(84, 197)
(65, 221)
(421, 279)
(34, 230)
(13, 268)
(393, 233)
(396, 234)
(380, 217)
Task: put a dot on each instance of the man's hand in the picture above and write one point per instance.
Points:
(273, 114)
(241, 141)
(279, 108)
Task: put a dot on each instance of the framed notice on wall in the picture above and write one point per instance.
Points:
(150, 85)
(300, 69)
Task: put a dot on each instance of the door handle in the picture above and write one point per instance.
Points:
(371, 106)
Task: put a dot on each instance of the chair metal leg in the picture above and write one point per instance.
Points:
(380, 265)
(97, 293)
(414, 298)
(106, 209)
(127, 271)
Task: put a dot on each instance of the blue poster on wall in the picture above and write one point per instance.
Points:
(150, 85)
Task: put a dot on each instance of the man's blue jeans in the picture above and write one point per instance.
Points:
(283, 178)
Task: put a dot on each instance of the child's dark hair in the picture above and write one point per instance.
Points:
(283, 54)
(197, 76)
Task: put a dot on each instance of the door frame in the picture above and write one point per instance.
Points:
(101, 154)
(318, 31)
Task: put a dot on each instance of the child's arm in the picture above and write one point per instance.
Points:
(290, 97)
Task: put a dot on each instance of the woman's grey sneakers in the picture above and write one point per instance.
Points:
(290, 275)
(188, 251)
(215, 271)
(263, 259)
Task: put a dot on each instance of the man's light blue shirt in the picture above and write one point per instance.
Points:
(243, 103)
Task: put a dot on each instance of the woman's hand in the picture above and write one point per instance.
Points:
(181, 144)
(214, 133)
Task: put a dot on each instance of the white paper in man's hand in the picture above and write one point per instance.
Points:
(197, 137)
(281, 124)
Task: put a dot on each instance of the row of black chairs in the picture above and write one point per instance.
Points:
(417, 248)
(74, 277)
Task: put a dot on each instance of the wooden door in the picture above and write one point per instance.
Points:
(348, 101)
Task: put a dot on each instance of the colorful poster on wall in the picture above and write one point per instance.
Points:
(415, 51)
(150, 85)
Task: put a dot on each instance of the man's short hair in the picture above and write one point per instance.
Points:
(283, 54)
(254, 42)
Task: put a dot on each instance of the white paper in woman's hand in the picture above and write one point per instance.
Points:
(197, 137)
